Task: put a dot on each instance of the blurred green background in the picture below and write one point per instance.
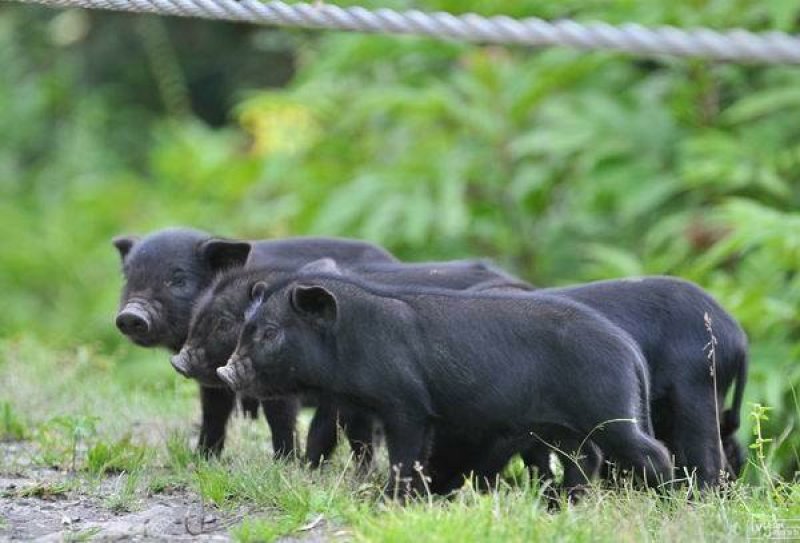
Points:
(563, 166)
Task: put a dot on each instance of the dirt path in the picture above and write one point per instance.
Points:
(39, 504)
(74, 517)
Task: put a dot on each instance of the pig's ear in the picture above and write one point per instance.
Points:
(124, 244)
(258, 291)
(323, 265)
(314, 302)
(224, 253)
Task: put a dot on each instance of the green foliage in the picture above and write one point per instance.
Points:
(115, 457)
(61, 437)
(286, 486)
(214, 485)
(565, 166)
(511, 515)
(81, 535)
(43, 491)
(11, 427)
(123, 496)
(179, 454)
(257, 530)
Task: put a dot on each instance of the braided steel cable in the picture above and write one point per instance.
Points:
(730, 45)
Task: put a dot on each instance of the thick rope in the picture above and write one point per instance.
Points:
(731, 45)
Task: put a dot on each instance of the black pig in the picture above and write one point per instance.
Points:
(219, 315)
(495, 366)
(664, 315)
(165, 272)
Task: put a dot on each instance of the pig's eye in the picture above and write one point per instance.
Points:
(224, 324)
(177, 281)
(269, 333)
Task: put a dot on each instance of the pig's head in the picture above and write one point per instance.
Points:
(165, 273)
(216, 322)
(287, 341)
(219, 315)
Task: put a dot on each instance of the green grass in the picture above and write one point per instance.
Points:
(11, 427)
(42, 490)
(115, 457)
(124, 440)
(260, 529)
(83, 535)
(125, 492)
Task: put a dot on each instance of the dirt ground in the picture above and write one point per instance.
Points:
(75, 517)
(38, 504)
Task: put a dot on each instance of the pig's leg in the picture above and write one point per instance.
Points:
(734, 456)
(322, 433)
(537, 456)
(281, 415)
(358, 427)
(450, 461)
(633, 449)
(217, 405)
(488, 458)
(582, 463)
(249, 407)
(695, 435)
(408, 441)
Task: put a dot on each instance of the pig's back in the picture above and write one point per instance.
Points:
(300, 251)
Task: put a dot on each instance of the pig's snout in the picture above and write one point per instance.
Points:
(227, 374)
(236, 373)
(133, 321)
(181, 363)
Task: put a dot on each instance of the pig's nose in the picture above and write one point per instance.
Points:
(133, 323)
(180, 362)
